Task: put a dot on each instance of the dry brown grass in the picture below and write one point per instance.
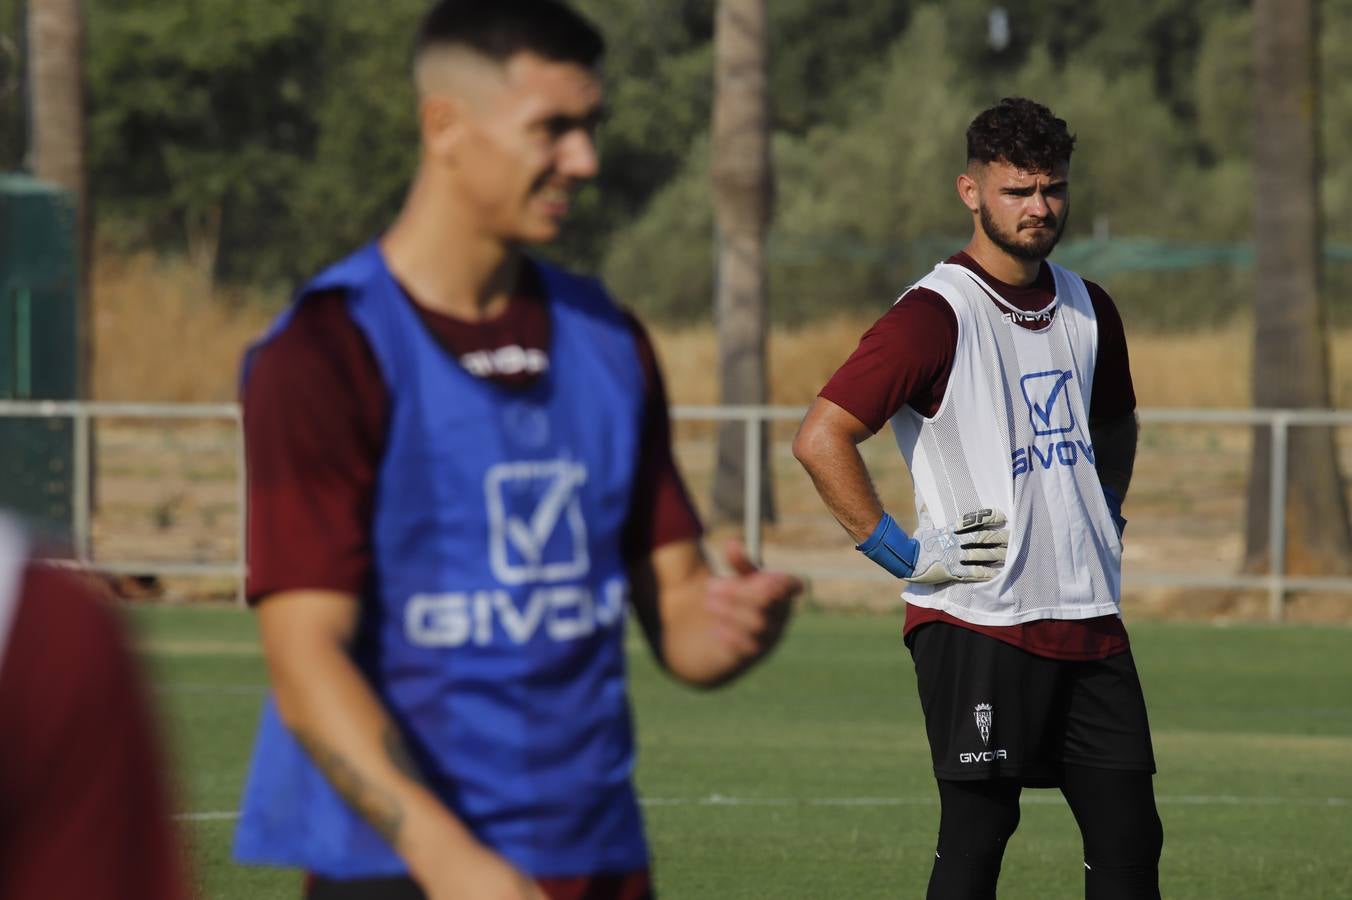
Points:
(1196, 369)
(801, 359)
(1212, 368)
(163, 333)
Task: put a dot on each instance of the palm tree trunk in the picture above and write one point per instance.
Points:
(1290, 356)
(743, 185)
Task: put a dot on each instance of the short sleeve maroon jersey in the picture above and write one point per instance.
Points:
(84, 804)
(906, 356)
(905, 359)
(315, 415)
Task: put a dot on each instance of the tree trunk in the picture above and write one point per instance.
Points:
(1290, 364)
(57, 138)
(743, 186)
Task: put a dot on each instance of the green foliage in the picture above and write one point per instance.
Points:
(353, 178)
(1224, 82)
(12, 126)
(824, 51)
(182, 137)
(659, 75)
(881, 182)
(865, 199)
(272, 135)
(269, 134)
(850, 200)
(662, 265)
(1335, 108)
(1131, 159)
(1158, 37)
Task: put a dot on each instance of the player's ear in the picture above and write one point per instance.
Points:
(969, 190)
(441, 119)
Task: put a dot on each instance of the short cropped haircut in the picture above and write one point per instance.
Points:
(500, 29)
(1021, 132)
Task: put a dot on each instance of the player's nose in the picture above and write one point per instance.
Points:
(578, 156)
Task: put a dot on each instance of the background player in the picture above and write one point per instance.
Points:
(84, 808)
(1007, 383)
(460, 472)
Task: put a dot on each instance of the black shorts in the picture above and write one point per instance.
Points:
(995, 711)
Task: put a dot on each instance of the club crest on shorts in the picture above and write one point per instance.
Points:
(983, 715)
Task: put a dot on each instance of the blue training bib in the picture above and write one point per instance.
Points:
(493, 634)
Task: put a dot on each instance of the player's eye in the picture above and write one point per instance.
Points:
(558, 126)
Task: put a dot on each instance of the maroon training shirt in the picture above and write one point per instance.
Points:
(315, 414)
(905, 358)
(84, 808)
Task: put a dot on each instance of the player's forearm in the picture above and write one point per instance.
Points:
(327, 704)
(698, 636)
(1114, 443)
(362, 754)
(833, 462)
(680, 637)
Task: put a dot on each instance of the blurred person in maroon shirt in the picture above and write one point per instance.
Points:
(1007, 383)
(84, 805)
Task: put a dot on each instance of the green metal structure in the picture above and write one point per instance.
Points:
(39, 284)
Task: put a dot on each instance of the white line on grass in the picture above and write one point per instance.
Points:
(1039, 798)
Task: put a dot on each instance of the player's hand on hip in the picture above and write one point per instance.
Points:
(971, 549)
(750, 607)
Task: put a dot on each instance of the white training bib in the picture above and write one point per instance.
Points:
(13, 556)
(1012, 434)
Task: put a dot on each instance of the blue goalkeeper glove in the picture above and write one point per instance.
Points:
(971, 550)
(1115, 509)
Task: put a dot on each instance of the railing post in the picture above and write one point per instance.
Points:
(80, 487)
(1277, 517)
(751, 507)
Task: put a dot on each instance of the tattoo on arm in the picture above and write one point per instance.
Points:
(377, 806)
(398, 752)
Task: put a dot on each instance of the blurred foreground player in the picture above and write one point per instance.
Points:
(1007, 384)
(460, 476)
(84, 810)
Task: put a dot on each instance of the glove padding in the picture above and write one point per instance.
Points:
(973, 549)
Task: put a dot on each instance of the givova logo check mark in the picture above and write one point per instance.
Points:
(1042, 391)
(530, 539)
(536, 528)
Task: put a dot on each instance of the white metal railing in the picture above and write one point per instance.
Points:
(1276, 582)
(82, 414)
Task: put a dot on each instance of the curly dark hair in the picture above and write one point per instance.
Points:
(1021, 132)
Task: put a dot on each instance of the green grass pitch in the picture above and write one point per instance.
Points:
(810, 778)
